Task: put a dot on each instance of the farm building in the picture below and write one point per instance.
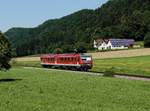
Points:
(113, 44)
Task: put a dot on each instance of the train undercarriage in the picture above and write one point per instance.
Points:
(74, 68)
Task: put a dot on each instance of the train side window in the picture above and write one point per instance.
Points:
(51, 59)
(68, 59)
(78, 59)
(75, 59)
(64, 59)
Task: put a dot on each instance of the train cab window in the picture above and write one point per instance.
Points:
(86, 58)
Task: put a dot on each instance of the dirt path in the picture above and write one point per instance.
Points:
(123, 53)
(133, 78)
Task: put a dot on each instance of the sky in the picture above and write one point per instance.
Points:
(31, 13)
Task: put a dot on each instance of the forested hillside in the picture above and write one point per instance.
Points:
(115, 19)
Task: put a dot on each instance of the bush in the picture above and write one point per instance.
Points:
(147, 40)
(109, 72)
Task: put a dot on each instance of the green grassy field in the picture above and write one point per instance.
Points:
(26, 64)
(130, 65)
(51, 90)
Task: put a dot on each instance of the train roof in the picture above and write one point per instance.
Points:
(63, 55)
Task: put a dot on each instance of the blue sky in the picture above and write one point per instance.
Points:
(30, 13)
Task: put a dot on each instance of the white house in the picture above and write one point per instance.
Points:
(113, 44)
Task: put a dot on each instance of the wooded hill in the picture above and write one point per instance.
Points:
(115, 19)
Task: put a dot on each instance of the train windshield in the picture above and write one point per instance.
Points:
(86, 58)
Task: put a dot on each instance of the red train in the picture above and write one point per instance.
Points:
(80, 62)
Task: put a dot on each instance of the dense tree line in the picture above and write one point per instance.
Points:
(115, 19)
(5, 52)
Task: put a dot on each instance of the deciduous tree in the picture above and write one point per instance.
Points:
(5, 52)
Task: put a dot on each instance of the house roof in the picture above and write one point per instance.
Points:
(122, 42)
(116, 42)
(99, 42)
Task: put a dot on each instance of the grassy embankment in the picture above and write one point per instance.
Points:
(131, 65)
(51, 90)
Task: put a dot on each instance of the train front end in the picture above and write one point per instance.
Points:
(86, 61)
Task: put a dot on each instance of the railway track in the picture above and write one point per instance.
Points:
(91, 73)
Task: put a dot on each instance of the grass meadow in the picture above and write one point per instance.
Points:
(128, 65)
(51, 90)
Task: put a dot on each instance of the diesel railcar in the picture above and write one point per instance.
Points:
(80, 62)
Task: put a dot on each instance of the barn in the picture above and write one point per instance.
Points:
(113, 44)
